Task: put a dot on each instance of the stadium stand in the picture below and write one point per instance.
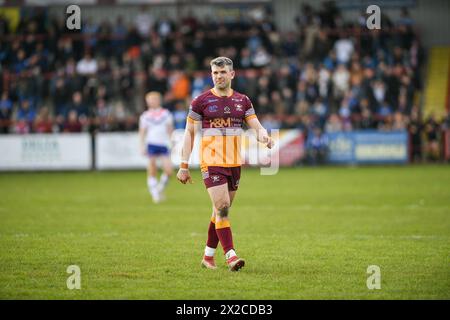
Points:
(329, 74)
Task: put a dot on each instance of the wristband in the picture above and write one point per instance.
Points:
(184, 165)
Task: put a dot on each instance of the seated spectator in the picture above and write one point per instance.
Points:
(291, 122)
(26, 112)
(120, 115)
(87, 66)
(43, 122)
(245, 60)
(72, 124)
(366, 121)
(261, 57)
(384, 110)
(399, 122)
(344, 48)
(22, 126)
(333, 124)
(78, 105)
(179, 85)
(103, 116)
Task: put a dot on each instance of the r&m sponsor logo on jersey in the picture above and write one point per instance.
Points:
(220, 123)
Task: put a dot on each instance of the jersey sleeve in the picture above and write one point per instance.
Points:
(142, 122)
(249, 110)
(195, 111)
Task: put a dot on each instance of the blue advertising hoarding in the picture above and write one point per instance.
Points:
(368, 147)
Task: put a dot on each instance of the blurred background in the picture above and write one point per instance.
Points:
(339, 92)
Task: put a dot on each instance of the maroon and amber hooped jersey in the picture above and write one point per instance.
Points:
(222, 121)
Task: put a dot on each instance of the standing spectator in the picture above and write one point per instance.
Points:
(432, 139)
(323, 81)
(60, 97)
(164, 27)
(317, 147)
(415, 134)
(90, 31)
(321, 46)
(5, 112)
(119, 35)
(319, 110)
(345, 113)
(341, 79)
(379, 91)
(144, 23)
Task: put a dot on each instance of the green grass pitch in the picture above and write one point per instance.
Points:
(306, 233)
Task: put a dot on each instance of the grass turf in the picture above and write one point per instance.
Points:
(306, 233)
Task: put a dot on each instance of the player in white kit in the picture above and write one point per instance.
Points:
(155, 130)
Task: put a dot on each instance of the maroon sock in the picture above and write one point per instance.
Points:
(226, 238)
(213, 239)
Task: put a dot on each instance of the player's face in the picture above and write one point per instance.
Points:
(153, 101)
(222, 76)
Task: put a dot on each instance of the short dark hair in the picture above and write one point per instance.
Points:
(221, 62)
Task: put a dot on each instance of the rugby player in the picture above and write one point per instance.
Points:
(155, 130)
(221, 112)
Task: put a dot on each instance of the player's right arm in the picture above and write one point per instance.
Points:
(183, 174)
(194, 119)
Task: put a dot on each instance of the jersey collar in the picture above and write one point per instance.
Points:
(214, 93)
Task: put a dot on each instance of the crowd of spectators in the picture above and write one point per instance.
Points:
(327, 75)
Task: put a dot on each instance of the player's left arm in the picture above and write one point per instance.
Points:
(261, 133)
(142, 134)
(253, 123)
